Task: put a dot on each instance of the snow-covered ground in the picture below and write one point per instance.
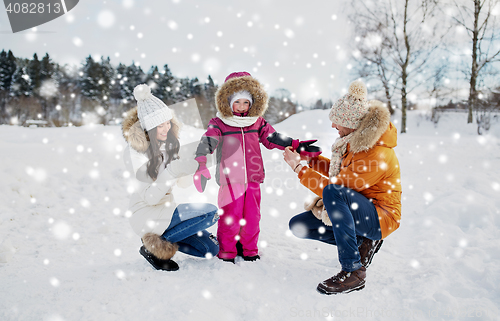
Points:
(67, 251)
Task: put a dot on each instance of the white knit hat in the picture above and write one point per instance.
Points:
(245, 94)
(350, 109)
(150, 110)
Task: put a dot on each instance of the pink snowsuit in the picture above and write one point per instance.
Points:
(240, 169)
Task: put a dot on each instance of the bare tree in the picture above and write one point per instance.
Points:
(480, 20)
(371, 56)
(396, 39)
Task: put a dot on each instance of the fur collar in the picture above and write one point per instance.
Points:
(233, 85)
(135, 136)
(373, 125)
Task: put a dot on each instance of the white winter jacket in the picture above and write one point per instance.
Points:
(152, 203)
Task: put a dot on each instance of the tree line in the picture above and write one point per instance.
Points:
(98, 92)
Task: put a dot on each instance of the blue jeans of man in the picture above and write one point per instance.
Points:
(353, 217)
(190, 234)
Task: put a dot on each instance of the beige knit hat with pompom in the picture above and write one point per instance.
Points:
(352, 107)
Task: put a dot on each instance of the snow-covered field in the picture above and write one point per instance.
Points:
(67, 251)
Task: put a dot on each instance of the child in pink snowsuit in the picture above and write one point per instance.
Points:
(236, 134)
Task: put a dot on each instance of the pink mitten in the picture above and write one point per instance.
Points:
(202, 175)
(306, 147)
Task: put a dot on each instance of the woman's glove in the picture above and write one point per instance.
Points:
(202, 174)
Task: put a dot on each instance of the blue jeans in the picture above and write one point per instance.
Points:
(353, 218)
(190, 234)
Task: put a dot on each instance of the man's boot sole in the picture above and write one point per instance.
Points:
(326, 292)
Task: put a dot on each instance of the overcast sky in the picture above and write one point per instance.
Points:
(298, 45)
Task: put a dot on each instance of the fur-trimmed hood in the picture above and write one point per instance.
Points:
(233, 85)
(135, 136)
(374, 129)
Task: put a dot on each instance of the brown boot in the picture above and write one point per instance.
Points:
(344, 282)
(368, 249)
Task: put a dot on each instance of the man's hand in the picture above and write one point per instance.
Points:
(305, 158)
(292, 158)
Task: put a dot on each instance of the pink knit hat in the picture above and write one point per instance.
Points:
(350, 109)
(237, 74)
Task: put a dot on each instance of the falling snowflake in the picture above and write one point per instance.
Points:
(106, 19)
(274, 212)
(128, 3)
(54, 282)
(94, 174)
(120, 274)
(77, 42)
(443, 159)
(206, 294)
(173, 25)
(428, 197)
(61, 230)
(84, 202)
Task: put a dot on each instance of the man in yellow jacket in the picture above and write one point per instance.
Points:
(358, 190)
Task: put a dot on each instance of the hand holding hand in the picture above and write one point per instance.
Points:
(292, 158)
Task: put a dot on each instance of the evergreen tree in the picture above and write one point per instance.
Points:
(95, 82)
(161, 83)
(7, 69)
(186, 88)
(34, 72)
(165, 82)
(107, 73)
(89, 79)
(48, 86)
(152, 78)
(47, 68)
(21, 81)
(206, 101)
(131, 77)
(66, 78)
(116, 87)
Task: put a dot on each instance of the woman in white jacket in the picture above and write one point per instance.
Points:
(152, 133)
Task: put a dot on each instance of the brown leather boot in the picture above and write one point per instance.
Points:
(368, 249)
(344, 282)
